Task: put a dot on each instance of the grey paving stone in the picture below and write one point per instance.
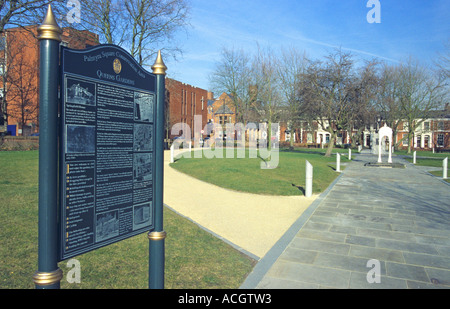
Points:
(435, 240)
(360, 240)
(317, 226)
(359, 281)
(406, 246)
(343, 229)
(279, 283)
(443, 250)
(408, 272)
(422, 285)
(345, 262)
(299, 256)
(322, 235)
(318, 245)
(438, 276)
(377, 253)
(427, 260)
(392, 235)
(310, 274)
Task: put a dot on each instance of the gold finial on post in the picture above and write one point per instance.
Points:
(49, 29)
(159, 67)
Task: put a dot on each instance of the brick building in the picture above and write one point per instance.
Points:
(183, 102)
(222, 110)
(19, 72)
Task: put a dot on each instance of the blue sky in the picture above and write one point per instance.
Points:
(417, 28)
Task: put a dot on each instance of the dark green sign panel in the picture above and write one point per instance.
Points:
(107, 148)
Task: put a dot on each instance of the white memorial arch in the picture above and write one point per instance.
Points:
(385, 131)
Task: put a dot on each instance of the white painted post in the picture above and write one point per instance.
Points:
(190, 145)
(338, 162)
(309, 179)
(172, 147)
(390, 150)
(349, 153)
(359, 148)
(444, 168)
(414, 157)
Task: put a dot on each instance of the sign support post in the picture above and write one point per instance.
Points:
(48, 275)
(158, 235)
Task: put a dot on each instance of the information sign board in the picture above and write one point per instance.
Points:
(106, 148)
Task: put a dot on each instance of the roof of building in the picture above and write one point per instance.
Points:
(223, 109)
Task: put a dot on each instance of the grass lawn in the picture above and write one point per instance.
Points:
(423, 153)
(245, 174)
(435, 162)
(194, 258)
(439, 174)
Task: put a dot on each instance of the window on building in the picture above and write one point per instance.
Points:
(2, 67)
(440, 140)
(2, 43)
(405, 141)
(440, 125)
(426, 126)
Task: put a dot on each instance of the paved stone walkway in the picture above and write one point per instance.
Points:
(400, 217)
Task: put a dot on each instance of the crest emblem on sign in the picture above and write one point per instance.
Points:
(117, 66)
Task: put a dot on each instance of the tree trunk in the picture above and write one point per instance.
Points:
(331, 144)
(291, 140)
(409, 142)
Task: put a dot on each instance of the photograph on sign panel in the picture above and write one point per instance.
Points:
(142, 215)
(80, 139)
(107, 225)
(142, 167)
(143, 137)
(143, 106)
(80, 92)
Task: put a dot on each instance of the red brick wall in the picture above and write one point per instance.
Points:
(184, 102)
(23, 69)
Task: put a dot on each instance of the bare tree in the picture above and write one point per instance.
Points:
(105, 18)
(420, 93)
(365, 88)
(443, 61)
(387, 101)
(25, 12)
(266, 81)
(232, 75)
(291, 71)
(332, 92)
(21, 82)
(141, 26)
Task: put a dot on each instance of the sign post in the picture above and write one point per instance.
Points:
(158, 235)
(101, 162)
(48, 275)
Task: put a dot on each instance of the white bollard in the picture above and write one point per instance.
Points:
(414, 157)
(359, 148)
(444, 168)
(338, 162)
(349, 153)
(172, 147)
(190, 146)
(309, 179)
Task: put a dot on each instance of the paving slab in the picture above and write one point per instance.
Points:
(398, 217)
